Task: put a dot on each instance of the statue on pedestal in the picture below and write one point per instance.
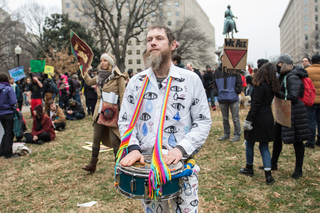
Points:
(229, 23)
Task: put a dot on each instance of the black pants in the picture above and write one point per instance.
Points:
(7, 139)
(20, 105)
(277, 147)
(91, 103)
(45, 136)
(58, 125)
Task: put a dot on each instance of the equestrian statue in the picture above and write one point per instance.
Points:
(229, 23)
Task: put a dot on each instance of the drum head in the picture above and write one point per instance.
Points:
(145, 169)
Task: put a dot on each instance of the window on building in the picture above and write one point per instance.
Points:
(317, 36)
(317, 27)
(85, 5)
(306, 37)
(138, 61)
(76, 15)
(67, 5)
(138, 52)
(127, 5)
(153, 14)
(177, 13)
(160, 14)
(177, 23)
(168, 4)
(160, 5)
(306, 19)
(305, 1)
(316, 18)
(137, 42)
(139, 70)
(130, 61)
(305, 9)
(127, 14)
(306, 46)
(110, 4)
(176, 4)
(168, 14)
(316, 8)
(129, 42)
(317, 45)
(129, 52)
(169, 23)
(306, 28)
(76, 5)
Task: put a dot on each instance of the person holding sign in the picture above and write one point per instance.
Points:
(259, 124)
(109, 80)
(291, 89)
(35, 90)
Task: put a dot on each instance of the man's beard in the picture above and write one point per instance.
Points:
(156, 61)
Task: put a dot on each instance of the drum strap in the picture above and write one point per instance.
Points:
(159, 173)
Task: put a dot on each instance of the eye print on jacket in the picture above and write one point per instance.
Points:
(201, 117)
(195, 101)
(141, 78)
(172, 139)
(176, 97)
(177, 106)
(145, 116)
(180, 79)
(195, 125)
(194, 203)
(150, 96)
(130, 99)
(178, 200)
(176, 89)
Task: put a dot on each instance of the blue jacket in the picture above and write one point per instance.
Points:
(226, 86)
(8, 99)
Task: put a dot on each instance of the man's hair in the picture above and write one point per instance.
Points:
(49, 103)
(4, 77)
(177, 58)
(307, 58)
(169, 33)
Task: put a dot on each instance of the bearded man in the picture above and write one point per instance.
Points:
(187, 119)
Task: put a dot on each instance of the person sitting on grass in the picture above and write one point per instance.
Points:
(56, 115)
(42, 129)
(75, 110)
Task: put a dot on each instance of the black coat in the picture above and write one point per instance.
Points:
(208, 79)
(261, 115)
(299, 130)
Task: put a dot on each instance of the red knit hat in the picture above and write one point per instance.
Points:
(38, 108)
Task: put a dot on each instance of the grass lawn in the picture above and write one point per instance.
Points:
(50, 179)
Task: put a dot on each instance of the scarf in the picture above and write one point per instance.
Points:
(103, 77)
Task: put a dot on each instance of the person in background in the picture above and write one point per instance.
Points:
(76, 84)
(8, 101)
(42, 129)
(19, 88)
(196, 71)
(74, 110)
(71, 85)
(208, 79)
(259, 123)
(56, 115)
(26, 91)
(35, 93)
(64, 92)
(90, 92)
(176, 60)
(47, 91)
(306, 62)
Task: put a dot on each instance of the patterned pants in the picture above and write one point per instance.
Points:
(186, 202)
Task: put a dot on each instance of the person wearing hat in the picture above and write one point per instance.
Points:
(208, 78)
(109, 79)
(42, 129)
(75, 110)
(290, 76)
(314, 110)
(227, 87)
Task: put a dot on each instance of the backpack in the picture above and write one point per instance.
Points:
(53, 87)
(309, 93)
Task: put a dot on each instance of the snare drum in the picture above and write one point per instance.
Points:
(133, 182)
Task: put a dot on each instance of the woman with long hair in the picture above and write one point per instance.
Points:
(8, 101)
(109, 79)
(259, 124)
(292, 88)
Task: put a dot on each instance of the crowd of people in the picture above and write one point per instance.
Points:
(186, 124)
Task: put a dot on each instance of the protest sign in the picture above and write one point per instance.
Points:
(234, 55)
(81, 51)
(49, 70)
(17, 73)
(282, 111)
(37, 65)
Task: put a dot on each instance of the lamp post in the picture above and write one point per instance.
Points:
(17, 51)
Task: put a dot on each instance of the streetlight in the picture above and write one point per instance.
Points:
(17, 51)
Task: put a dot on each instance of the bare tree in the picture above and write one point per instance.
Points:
(311, 45)
(194, 44)
(119, 21)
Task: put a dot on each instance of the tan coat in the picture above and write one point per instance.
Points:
(314, 74)
(116, 85)
(57, 114)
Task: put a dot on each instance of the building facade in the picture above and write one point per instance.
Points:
(299, 29)
(174, 13)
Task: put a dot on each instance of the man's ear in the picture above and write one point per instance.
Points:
(173, 45)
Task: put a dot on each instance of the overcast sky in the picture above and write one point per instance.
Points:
(257, 21)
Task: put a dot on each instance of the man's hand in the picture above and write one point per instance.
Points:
(173, 156)
(35, 138)
(131, 158)
(69, 112)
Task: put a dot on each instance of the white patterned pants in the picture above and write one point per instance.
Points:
(186, 202)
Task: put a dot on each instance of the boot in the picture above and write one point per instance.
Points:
(274, 164)
(297, 173)
(235, 138)
(224, 137)
(269, 178)
(92, 166)
(248, 170)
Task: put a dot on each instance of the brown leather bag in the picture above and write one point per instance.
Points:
(108, 115)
